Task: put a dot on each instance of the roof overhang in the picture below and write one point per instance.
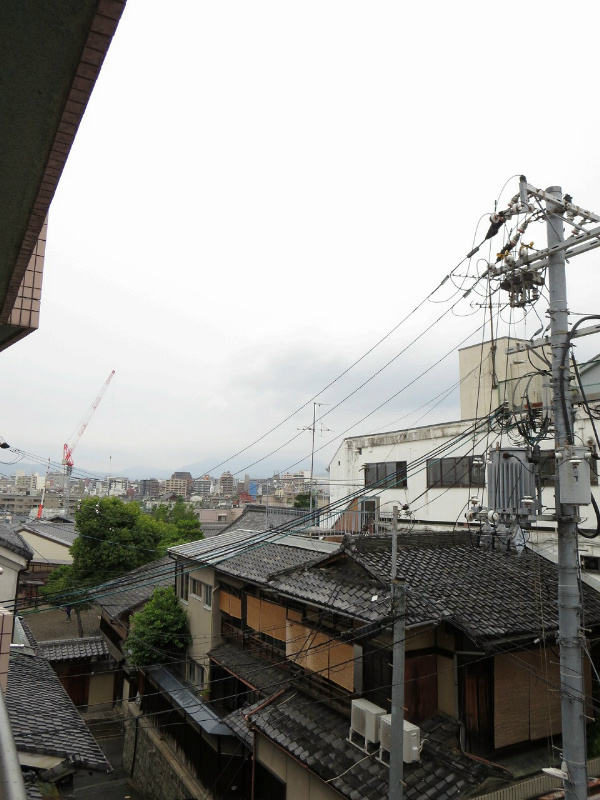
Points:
(50, 58)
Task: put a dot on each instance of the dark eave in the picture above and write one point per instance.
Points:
(50, 58)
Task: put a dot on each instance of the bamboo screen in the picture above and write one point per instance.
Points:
(527, 696)
(230, 605)
(341, 664)
(265, 617)
(511, 702)
(319, 653)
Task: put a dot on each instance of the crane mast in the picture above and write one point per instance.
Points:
(68, 448)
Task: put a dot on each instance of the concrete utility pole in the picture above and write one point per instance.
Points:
(567, 470)
(520, 269)
(399, 633)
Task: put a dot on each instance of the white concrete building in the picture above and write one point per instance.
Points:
(432, 472)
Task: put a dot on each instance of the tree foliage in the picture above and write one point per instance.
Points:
(160, 631)
(302, 500)
(115, 538)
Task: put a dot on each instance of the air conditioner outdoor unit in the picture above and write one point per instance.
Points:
(364, 721)
(411, 741)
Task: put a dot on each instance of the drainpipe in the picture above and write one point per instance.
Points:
(135, 741)
(253, 778)
(12, 785)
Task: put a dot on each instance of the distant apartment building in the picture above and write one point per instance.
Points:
(33, 483)
(149, 487)
(227, 482)
(117, 486)
(180, 483)
(202, 486)
(22, 503)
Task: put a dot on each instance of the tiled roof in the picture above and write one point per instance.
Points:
(486, 593)
(33, 792)
(74, 649)
(249, 668)
(130, 591)
(263, 518)
(262, 553)
(42, 717)
(63, 533)
(341, 585)
(258, 562)
(10, 539)
(239, 726)
(216, 548)
(317, 737)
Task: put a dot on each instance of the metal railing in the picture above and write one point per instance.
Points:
(12, 785)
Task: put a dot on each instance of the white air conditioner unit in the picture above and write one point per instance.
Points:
(411, 741)
(364, 722)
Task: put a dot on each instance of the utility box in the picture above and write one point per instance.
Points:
(573, 470)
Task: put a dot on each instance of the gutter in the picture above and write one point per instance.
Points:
(12, 785)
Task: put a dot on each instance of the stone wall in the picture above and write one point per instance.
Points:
(156, 770)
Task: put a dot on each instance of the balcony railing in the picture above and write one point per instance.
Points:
(310, 682)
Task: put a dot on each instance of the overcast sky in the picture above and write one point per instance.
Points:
(259, 191)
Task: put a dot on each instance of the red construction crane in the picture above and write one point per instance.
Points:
(68, 448)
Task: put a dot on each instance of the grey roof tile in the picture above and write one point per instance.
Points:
(486, 593)
(43, 718)
(74, 649)
(263, 518)
(61, 532)
(253, 670)
(12, 540)
(295, 722)
(258, 563)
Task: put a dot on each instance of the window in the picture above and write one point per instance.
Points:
(464, 471)
(182, 583)
(590, 562)
(195, 674)
(386, 474)
(202, 591)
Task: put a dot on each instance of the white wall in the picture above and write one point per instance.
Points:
(11, 565)
(435, 504)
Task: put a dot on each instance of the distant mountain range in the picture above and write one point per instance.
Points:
(138, 472)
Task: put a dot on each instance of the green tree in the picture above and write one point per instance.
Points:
(114, 538)
(160, 631)
(302, 500)
(183, 516)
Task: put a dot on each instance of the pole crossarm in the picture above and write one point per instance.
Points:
(573, 246)
(568, 207)
(544, 341)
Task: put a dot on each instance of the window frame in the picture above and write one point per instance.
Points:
(202, 591)
(442, 473)
(182, 584)
(386, 474)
